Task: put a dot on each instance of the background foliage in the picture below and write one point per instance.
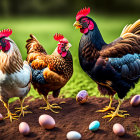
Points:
(44, 18)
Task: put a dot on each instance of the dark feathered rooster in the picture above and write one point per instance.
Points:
(50, 72)
(115, 67)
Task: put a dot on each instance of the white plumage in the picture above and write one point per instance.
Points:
(15, 77)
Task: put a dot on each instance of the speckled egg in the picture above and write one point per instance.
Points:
(73, 135)
(118, 129)
(1, 117)
(135, 101)
(47, 121)
(94, 125)
(24, 128)
(82, 96)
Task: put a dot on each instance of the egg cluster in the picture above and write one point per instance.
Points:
(46, 121)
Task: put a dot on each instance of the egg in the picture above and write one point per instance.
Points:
(135, 101)
(24, 128)
(1, 117)
(47, 121)
(94, 125)
(82, 96)
(73, 135)
(118, 129)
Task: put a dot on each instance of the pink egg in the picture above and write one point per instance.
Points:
(1, 117)
(118, 129)
(82, 96)
(47, 121)
(24, 128)
(135, 101)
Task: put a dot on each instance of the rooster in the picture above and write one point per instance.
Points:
(50, 72)
(15, 75)
(115, 67)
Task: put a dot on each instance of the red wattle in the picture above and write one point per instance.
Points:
(64, 54)
(84, 30)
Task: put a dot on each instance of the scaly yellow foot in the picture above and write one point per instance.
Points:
(11, 116)
(22, 110)
(114, 114)
(51, 107)
(106, 109)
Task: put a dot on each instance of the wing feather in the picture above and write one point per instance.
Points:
(128, 65)
(129, 42)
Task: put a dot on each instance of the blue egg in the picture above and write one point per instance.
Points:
(94, 125)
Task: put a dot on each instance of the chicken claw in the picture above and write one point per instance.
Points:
(21, 110)
(11, 116)
(51, 107)
(114, 114)
(106, 109)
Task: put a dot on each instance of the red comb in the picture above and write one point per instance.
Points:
(58, 37)
(82, 12)
(5, 33)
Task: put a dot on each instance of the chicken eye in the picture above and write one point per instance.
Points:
(62, 44)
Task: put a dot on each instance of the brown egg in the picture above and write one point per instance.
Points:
(47, 121)
(1, 117)
(118, 129)
(135, 101)
(24, 128)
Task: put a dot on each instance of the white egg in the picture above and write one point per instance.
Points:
(118, 129)
(73, 135)
(82, 96)
(24, 128)
(135, 101)
(47, 121)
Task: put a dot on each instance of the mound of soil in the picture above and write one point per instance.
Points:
(72, 117)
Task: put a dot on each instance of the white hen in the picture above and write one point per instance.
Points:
(15, 75)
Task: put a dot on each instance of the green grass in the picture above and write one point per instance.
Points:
(137, 131)
(45, 28)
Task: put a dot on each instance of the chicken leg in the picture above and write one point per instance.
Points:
(116, 113)
(22, 108)
(9, 114)
(50, 106)
(108, 107)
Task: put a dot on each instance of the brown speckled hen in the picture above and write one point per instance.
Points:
(50, 72)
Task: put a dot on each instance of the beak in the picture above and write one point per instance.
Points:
(77, 25)
(68, 46)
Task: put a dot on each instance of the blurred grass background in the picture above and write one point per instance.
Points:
(44, 18)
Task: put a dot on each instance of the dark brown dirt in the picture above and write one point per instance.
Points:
(72, 117)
